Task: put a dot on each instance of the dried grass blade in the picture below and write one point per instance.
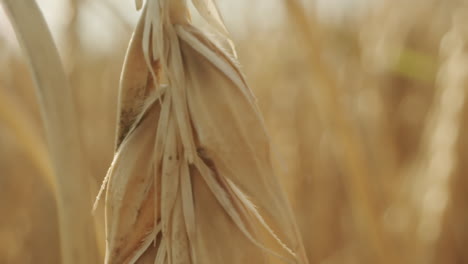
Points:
(228, 205)
(129, 198)
(78, 239)
(188, 203)
(235, 121)
(135, 82)
(209, 10)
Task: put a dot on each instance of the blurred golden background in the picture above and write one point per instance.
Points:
(364, 101)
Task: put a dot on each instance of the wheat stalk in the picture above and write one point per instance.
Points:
(334, 117)
(78, 242)
(192, 180)
(17, 120)
(437, 160)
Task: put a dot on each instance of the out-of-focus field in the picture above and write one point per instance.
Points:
(365, 102)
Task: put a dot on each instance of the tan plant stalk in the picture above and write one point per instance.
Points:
(334, 117)
(438, 157)
(192, 180)
(77, 239)
(20, 124)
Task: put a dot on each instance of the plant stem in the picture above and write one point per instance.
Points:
(77, 235)
(333, 115)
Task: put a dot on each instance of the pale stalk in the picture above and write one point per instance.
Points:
(438, 159)
(333, 115)
(31, 143)
(77, 238)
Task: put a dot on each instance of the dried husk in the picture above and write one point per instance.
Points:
(192, 180)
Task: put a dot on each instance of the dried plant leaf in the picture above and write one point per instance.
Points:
(226, 244)
(130, 192)
(247, 162)
(209, 10)
(134, 84)
(78, 239)
(201, 147)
